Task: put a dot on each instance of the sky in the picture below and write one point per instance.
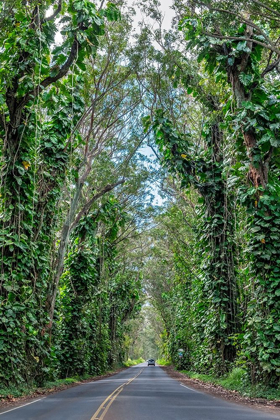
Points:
(168, 15)
(165, 7)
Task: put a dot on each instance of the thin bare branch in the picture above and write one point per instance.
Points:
(55, 13)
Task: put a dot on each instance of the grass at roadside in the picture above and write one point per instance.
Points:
(237, 380)
(163, 362)
(130, 362)
(23, 390)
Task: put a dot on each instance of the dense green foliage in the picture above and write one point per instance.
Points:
(65, 293)
(93, 271)
(225, 285)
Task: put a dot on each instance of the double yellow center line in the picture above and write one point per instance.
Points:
(104, 407)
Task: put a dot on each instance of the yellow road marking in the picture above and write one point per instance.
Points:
(110, 399)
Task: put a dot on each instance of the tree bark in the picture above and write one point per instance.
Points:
(68, 226)
(258, 174)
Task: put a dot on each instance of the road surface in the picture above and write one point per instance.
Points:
(138, 393)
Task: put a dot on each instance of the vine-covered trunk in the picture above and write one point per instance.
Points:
(262, 339)
(62, 248)
(259, 168)
(25, 247)
(34, 174)
(219, 318)
(217, 246)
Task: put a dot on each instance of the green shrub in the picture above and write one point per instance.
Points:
(163, 362)
(15, 391)
(238, 380)
(130, 362)
(25, 390)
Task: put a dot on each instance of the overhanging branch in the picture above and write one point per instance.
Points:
(55, 13)
(52, 79)
(87, 206)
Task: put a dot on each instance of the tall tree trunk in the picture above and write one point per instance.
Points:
(264, 229)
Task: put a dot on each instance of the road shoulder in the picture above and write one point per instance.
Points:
(271, 407)
(43, 392)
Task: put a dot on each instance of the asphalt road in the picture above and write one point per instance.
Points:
(138, 393)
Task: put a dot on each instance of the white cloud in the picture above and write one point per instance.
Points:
(165, 8)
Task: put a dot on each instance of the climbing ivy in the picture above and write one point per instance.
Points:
(255, 123)
(204, 171)
(96, 297)
(39, 106)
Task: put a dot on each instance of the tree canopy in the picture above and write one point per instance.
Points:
(140, 193)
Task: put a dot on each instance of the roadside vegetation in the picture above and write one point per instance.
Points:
(163, 362)
(139, 191)
(130, 362)
(238, 380)
(9, 394)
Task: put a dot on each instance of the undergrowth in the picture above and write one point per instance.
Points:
(130, 362)
(27, 390)
(163, 362)
(237, 380)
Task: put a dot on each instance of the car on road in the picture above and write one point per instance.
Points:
(151, 362)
